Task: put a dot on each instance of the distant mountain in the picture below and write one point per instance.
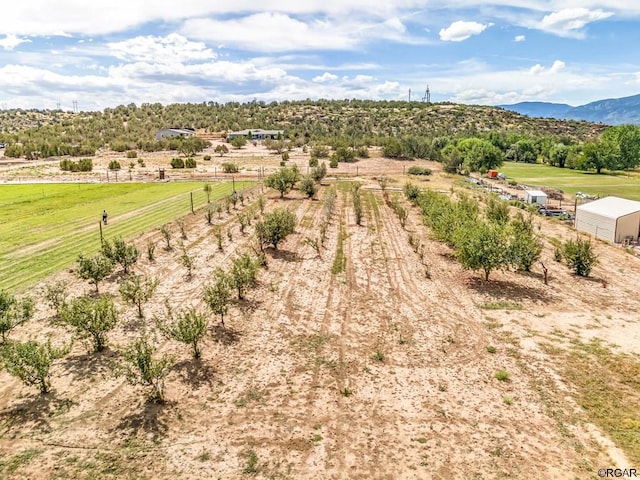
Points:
(540, 109)
(613, 111)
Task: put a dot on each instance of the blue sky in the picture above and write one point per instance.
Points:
(496, 52)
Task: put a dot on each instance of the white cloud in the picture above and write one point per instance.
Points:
(555, 68)
(519, 38)
(569, 22)
(325, 77)
(170, 49)
(279, 32)
(10, 41)
(461, 30)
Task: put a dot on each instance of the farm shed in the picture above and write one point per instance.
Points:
(174, 132)
(613, 219)
(535, 196)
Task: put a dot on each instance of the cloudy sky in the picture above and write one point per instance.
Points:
(96, 55)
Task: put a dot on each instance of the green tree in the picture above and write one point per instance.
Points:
(217, 295)
(95, 269)
(478, 153)
(31, 361)
(283, 180)
(308, 186)
(524, 150)
(243, 273)
(525, 247)
(238, 142)
(187, 326)
(142, 366)
(120, 252)
(558, 155)
(319, 172)
(624, 141)
(92, 318)
(189, 146)
(221, 149)
(481, 246)
(275, 226)
(497, 211)
(580, 256)
(138, 290)
(13, 312)
(599, 155)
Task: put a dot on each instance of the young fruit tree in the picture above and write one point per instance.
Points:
(525, 246)
(92, 318)
(95, 269)
(274, 227)
(308, 186)
(31, 361)
(13, 312)
(187, 326)
(120, 252)
(283, 180)
(217, 295)
(579, 256)
(137, 290)
(243, 273)
(142, 366)
(480, 246)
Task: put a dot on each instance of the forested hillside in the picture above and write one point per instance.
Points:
(358, 122)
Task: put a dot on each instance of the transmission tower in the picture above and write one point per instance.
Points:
(427, 95)
(75, 106)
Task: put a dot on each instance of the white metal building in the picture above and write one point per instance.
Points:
(613, 219)
(535, 196)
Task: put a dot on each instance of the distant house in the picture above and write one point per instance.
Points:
(612, 219)
(174, 132)
(257, 134)
(535, 196)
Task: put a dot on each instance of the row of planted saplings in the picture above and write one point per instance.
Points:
(92, 317)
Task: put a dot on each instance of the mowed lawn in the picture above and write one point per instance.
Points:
(621, 184)
(43, 227)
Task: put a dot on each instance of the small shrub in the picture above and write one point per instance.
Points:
(333, 163)
(419, 171)
(114, 165)
(379, 356)
(228, 167)
(137, 291)
(177, 162)
(507, 400)
(132, 154)
(346, 392)
(190, 163)
(187, 326)
(502, 375)
(151, 249)
(207, 158)
(491, 349)
(313, 162)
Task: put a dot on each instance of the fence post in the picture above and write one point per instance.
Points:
(191, 194)
(101, 237)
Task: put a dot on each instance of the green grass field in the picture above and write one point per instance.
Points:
(43, 227)
(621, 184)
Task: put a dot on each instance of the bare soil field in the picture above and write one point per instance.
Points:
(378, 371)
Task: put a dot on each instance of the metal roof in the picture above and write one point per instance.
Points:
(536, 193)
(611, 207)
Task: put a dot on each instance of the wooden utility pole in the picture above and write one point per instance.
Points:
(101, 237)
